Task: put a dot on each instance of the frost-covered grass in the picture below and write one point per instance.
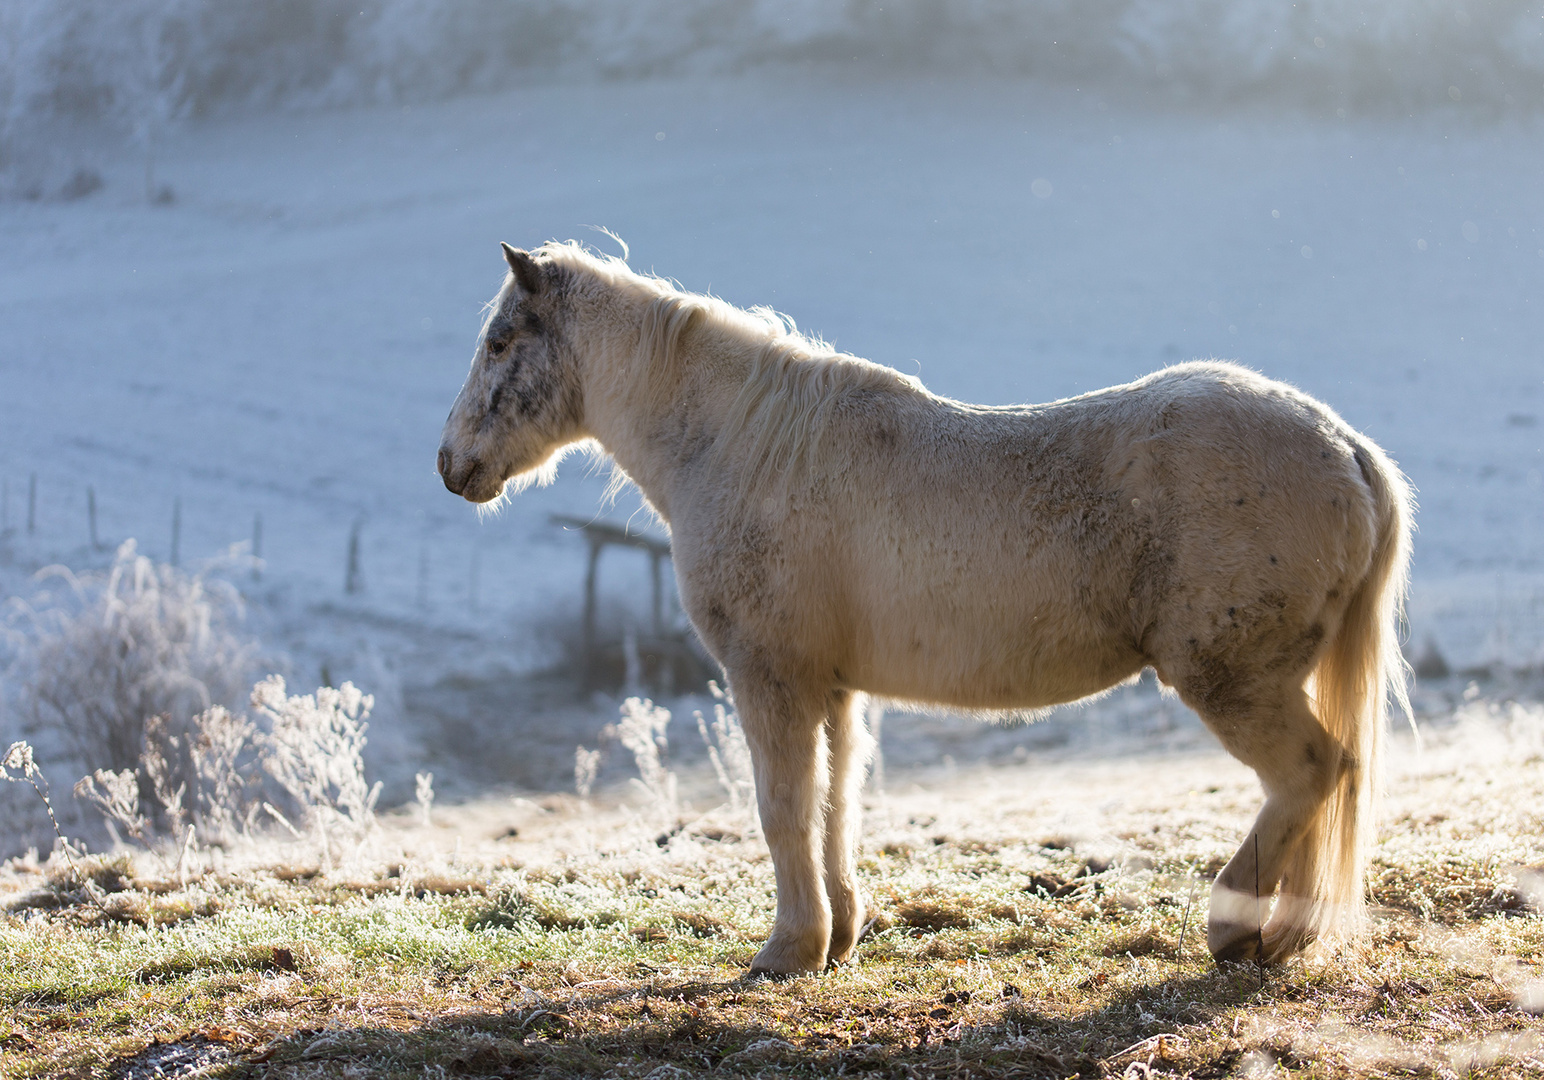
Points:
(1042, 920)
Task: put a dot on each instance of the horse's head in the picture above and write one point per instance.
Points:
(521, 403)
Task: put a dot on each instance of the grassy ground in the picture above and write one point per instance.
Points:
(1042, 920)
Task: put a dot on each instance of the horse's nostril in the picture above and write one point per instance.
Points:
(443, 463)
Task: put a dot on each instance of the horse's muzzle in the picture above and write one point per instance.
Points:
(445, 463)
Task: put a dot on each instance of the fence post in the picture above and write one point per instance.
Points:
(257, 546)
(353, 581)
(590, 571)
(473, 575)
(96, 544)
(659, 594)
(423, 575)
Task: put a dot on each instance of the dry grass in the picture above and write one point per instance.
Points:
(1031, 921)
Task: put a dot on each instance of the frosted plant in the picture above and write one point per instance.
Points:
(423, 790)
(728, 750)
(161, 761)
(221, 751)
(101, 653)
(19, 759)
(313, 748)
(586, 765)
(642, 730)
(116, 795)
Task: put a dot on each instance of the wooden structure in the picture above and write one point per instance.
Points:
(674, 663)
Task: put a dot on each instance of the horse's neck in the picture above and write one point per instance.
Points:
(653, 417)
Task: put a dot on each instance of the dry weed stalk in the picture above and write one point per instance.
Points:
(642, 730)
(729, 752)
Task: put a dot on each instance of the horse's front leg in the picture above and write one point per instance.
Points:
(850, 748)
(786, 731)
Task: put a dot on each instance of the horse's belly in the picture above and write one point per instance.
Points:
(994, 665)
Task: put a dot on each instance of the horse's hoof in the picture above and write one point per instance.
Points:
(1232, 942)
(782, 959)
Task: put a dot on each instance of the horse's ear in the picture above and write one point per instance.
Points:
(527, 273)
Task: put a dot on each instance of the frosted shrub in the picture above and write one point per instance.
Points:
(216, 756)
(586, 765)
(641, 729)
(729, 752)
(313, 748)
(310, 747)
(100, 654)
(423, 791)
(222, 751)
(116, 795)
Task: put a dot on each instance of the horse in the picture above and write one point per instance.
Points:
(839, 531)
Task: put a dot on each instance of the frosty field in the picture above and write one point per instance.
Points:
(1034, 920)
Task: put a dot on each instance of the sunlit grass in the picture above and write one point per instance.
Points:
(1035, 921)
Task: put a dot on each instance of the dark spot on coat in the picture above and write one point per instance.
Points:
(1273, 560)
(1310, 755)
(1239, 501)
(1333, 594)
(1365, 465)
(1231, 612)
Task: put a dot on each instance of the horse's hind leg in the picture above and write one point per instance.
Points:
(850, 747)
(787, 734)
(1298, 764)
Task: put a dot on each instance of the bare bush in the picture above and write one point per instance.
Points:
(313, 747)
(729, 752)
(102, 654)
(423, 791)
(309, 746)
(641, 729)
(116, 796)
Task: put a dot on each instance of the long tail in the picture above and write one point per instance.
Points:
(1360, 672)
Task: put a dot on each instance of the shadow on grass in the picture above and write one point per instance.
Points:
(746, 1027)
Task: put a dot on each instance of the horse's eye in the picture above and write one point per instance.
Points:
(496, 347)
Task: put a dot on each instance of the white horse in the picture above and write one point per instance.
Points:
(838, 530)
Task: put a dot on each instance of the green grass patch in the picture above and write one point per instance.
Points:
(996, 948)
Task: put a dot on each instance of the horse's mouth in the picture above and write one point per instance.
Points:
(476, 483)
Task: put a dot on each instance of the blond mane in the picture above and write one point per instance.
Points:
(794, 380)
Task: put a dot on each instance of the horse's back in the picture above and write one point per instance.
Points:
(1036, 555)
